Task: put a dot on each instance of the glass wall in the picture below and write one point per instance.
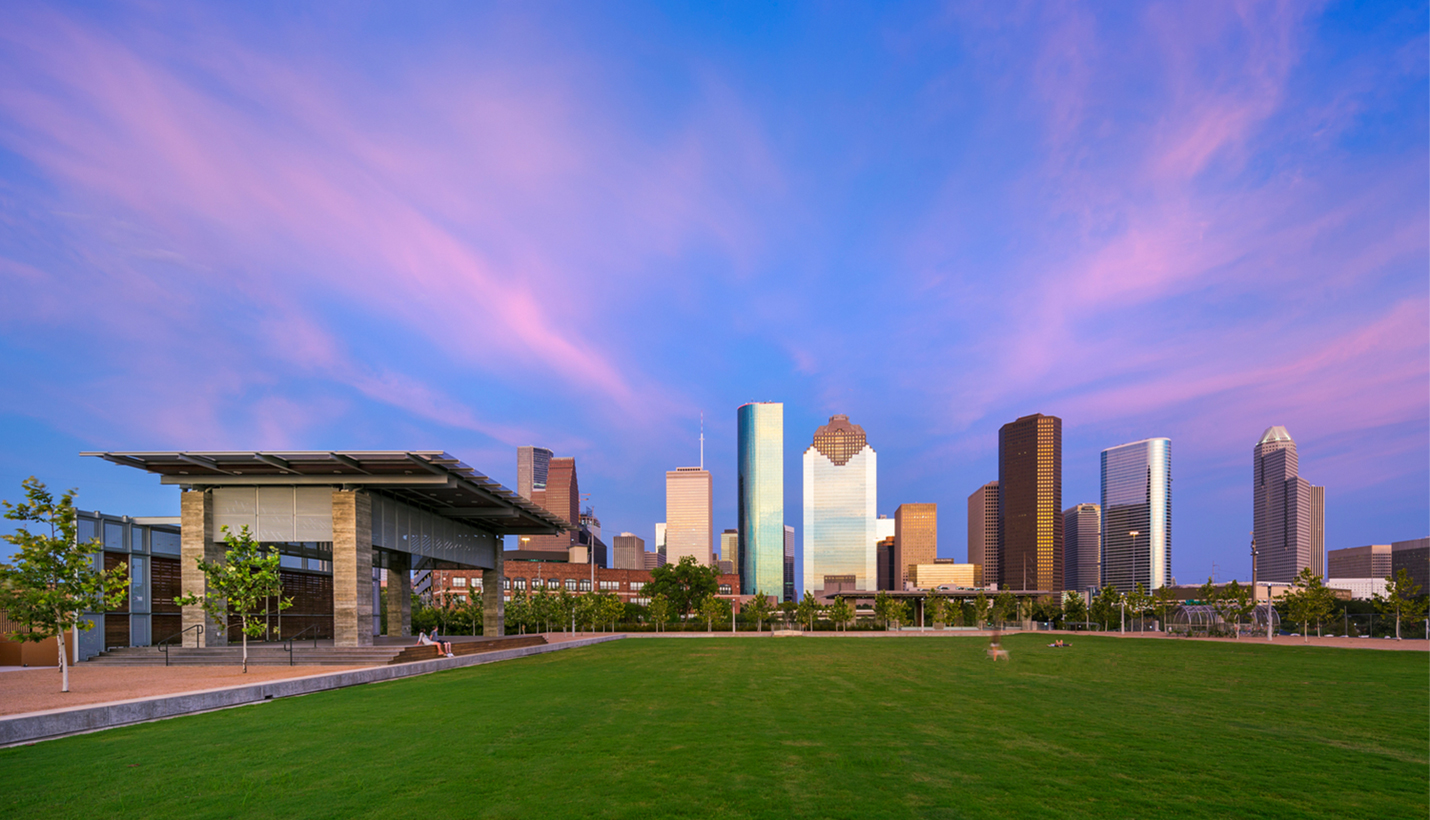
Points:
(760, 498)
(1137, 514)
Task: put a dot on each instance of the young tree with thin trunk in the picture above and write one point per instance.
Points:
(759, 609)
(841, 613)
(1075, 608)
(660, 610)
(808, 610)
(980, 610)
(53, 578)
(713, 611)
(241, 583)
(1402, 599)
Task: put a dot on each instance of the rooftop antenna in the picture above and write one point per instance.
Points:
(702, 440)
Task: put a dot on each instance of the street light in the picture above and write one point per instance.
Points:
(1122, 627)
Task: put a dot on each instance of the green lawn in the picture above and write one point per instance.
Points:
(800, 727)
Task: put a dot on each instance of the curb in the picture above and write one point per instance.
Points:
(30, 727)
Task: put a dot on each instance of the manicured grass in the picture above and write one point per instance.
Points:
(800, 727)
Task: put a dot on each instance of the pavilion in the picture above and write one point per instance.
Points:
(339, 517)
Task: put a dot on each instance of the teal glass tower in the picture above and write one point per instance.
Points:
(761, 498)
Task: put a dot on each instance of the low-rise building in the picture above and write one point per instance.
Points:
(1361, 589)
(532, 574)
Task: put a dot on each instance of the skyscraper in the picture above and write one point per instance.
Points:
(1288, 514)
(532, 464)
(562, 496)
(1082, 547)
(1137, 515)
(915, 538)
(1030, 503)
(840, 506)
(730, 547)
(983, 548)
(687, 515)
(789, 564)
(630, 551)
(760, 497)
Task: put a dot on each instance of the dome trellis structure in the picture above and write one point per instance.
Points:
(1205, 620)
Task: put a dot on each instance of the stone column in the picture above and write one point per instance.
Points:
(493, 609)
(352, 568)
(399, 594)
(196, 541)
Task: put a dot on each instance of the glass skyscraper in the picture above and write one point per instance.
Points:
(1137, 515)
(840, 500)
(760, 497)
(1288, 513)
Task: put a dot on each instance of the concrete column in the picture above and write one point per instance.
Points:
(352, 568)
(399, 594)
(196, 541)
(493, 608)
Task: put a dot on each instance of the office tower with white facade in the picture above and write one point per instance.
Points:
(1137, 515)
(1082, 547)
(760, 497)
(840, 508)
(688, 531)
(629, 551)
(1288, 513)
(983, 534)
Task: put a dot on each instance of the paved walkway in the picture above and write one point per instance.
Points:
(35, 689)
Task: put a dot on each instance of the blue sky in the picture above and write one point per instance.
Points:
(471, 227)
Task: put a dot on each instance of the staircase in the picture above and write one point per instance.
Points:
(270, 654)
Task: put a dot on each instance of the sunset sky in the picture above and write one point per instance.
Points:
(582, 225)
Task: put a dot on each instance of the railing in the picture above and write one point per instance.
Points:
(164, 644)
(288, 642)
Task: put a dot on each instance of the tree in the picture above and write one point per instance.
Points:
(758, 608)
(1401, 599)
(241, 583)
(1104, 606)
(518, 611)
(841, 612)
(1138, 601)
(787, 611)
(713, 610)
(896, 611)
(1003, 606)
(980, 609)
(935, 610)
(660, 610)
(1309, 600)
(588, 610)
(808, 610)
(53, 578)
(684, 584)
(1162, 598)
(1234, 604)
(1075, 608)
(881, 608)
(612, 609)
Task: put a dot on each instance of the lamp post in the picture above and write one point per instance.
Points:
(1122, 627)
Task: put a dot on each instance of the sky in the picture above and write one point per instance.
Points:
(470, 227)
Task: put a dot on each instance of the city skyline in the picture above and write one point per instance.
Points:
(1146, 220)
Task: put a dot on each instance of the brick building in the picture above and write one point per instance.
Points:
(555, 576)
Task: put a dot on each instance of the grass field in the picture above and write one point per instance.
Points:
(802, 727)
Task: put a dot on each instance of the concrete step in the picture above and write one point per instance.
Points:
(267, 654)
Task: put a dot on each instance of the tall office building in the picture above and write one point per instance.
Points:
(1288, 514)
(983, 534)
(789, 563)
(730, 548)
(840, 506)
(630, 551)
(561, 496)
(1371, 561)
(1137, 515)
(1413, 556)
(1082, 547)
(532, 464)
(688, 530)
(885, 556)
(1030, 503)
(660, 539)
(760, 497)
(915, 538)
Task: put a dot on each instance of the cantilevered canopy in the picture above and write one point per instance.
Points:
(431, 479)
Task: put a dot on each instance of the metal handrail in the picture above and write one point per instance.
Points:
(288, 642)
(163, 645)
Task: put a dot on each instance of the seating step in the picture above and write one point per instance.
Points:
(274, 655)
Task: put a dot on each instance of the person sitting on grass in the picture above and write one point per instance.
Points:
(1058, 644)
(445, 647)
